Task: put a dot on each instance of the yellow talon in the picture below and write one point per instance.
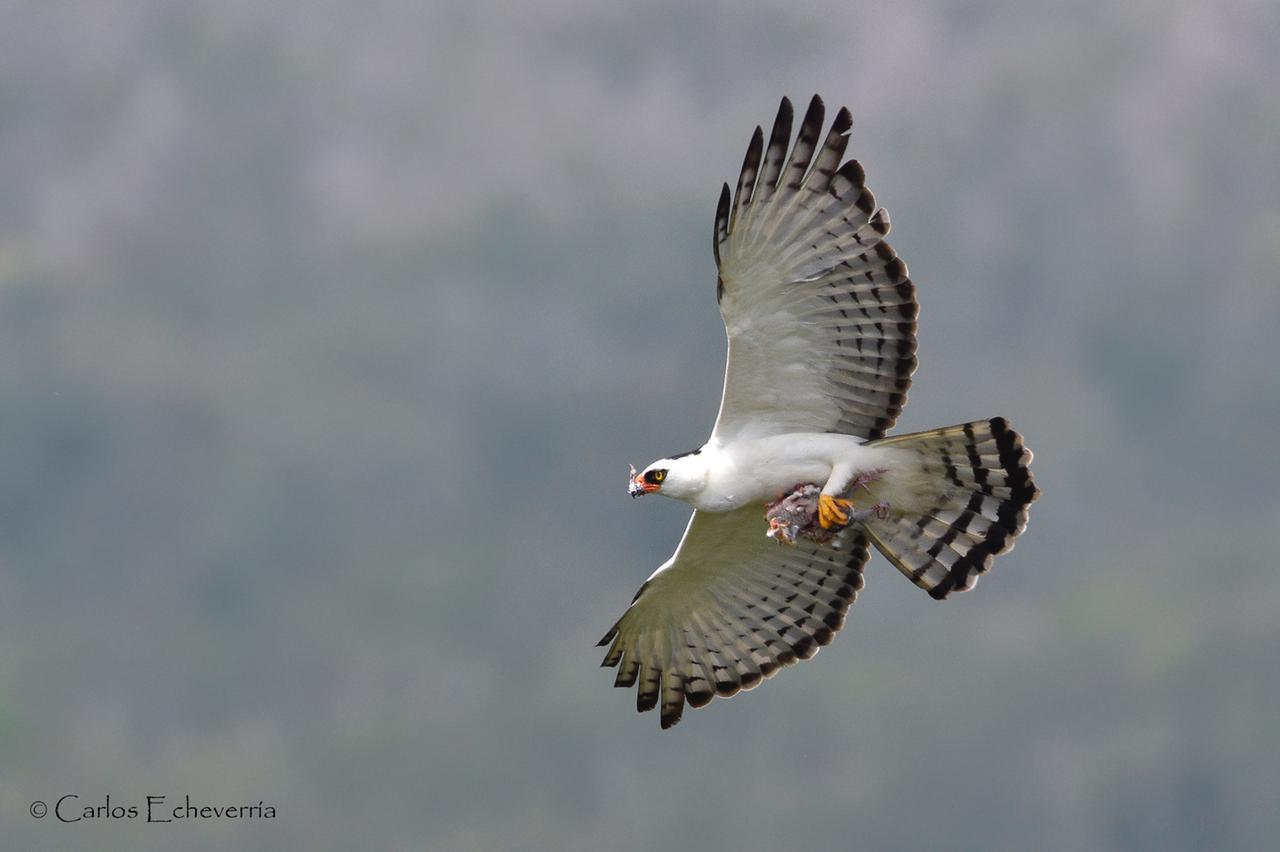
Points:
(832, 511)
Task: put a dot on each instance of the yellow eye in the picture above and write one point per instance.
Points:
(659, 475)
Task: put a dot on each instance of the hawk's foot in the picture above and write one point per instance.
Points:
(879, 511)
(836, 514)
(833, 512)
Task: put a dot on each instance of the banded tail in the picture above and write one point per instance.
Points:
(978, 485)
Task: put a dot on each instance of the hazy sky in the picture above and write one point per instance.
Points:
(329, 329)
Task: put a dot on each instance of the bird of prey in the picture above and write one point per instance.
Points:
(821, 321)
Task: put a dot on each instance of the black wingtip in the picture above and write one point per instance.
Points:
(880, 222)
(747, 175)
(843, 122)
(853, 172)
(722, 222)
(813, 116)
(781, 133)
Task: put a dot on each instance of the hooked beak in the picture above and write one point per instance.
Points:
(638, 486)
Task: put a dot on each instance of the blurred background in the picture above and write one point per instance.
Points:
(327, 331)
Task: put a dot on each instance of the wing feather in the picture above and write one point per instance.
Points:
(819, 310)
(779, 139)
(729, 610)
(806, 139)
(747, 178)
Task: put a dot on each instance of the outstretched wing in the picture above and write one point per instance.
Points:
(730, 609)
(820, 313)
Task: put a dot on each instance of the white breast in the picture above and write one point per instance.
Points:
(759, 470)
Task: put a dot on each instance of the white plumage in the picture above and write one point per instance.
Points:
(820, 317)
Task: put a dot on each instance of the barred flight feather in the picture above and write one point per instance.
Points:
(779, 139)
(806, 281)
(978, 512)
(709, 624)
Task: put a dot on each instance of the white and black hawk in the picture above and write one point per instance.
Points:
(821, 320)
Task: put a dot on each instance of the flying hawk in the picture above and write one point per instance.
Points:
(821, 319)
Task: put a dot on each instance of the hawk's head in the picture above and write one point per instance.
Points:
(648, 480)
(680, 477)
